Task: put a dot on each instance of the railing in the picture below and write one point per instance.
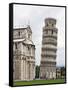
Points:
(48, 53)
(50, 36)
(47, 59)
(49, 49)
(49, 56)
(49, 46)
(50, 28)
(49, 41)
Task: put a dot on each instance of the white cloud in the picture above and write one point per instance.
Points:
(60, 57)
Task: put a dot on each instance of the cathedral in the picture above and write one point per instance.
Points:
(23, 54)
(49, 49)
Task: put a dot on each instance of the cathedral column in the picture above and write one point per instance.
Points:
(34, 70)
(22, 70)
(26, 70)
(30, 71)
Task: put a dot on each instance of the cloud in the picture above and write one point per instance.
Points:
(60, 57)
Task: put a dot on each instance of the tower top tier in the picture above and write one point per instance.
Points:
(50, 21)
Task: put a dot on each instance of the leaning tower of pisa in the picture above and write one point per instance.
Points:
(48, 51)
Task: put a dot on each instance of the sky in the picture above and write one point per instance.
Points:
(34, 16)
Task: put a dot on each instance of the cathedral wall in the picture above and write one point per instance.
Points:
(24, 53)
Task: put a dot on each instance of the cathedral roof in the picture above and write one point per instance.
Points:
(18, 40)
(20, 28)
(28, 28)
(26, 41)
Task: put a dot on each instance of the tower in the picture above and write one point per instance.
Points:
(48, 51)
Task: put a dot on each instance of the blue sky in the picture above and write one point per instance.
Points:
(34, 16)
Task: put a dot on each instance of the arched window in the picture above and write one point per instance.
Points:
(29, 36)
(19, 33)
(47, 24)
(52, 31)
(46, 31)
(16, 45)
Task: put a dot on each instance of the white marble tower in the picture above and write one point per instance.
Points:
(49, 48)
